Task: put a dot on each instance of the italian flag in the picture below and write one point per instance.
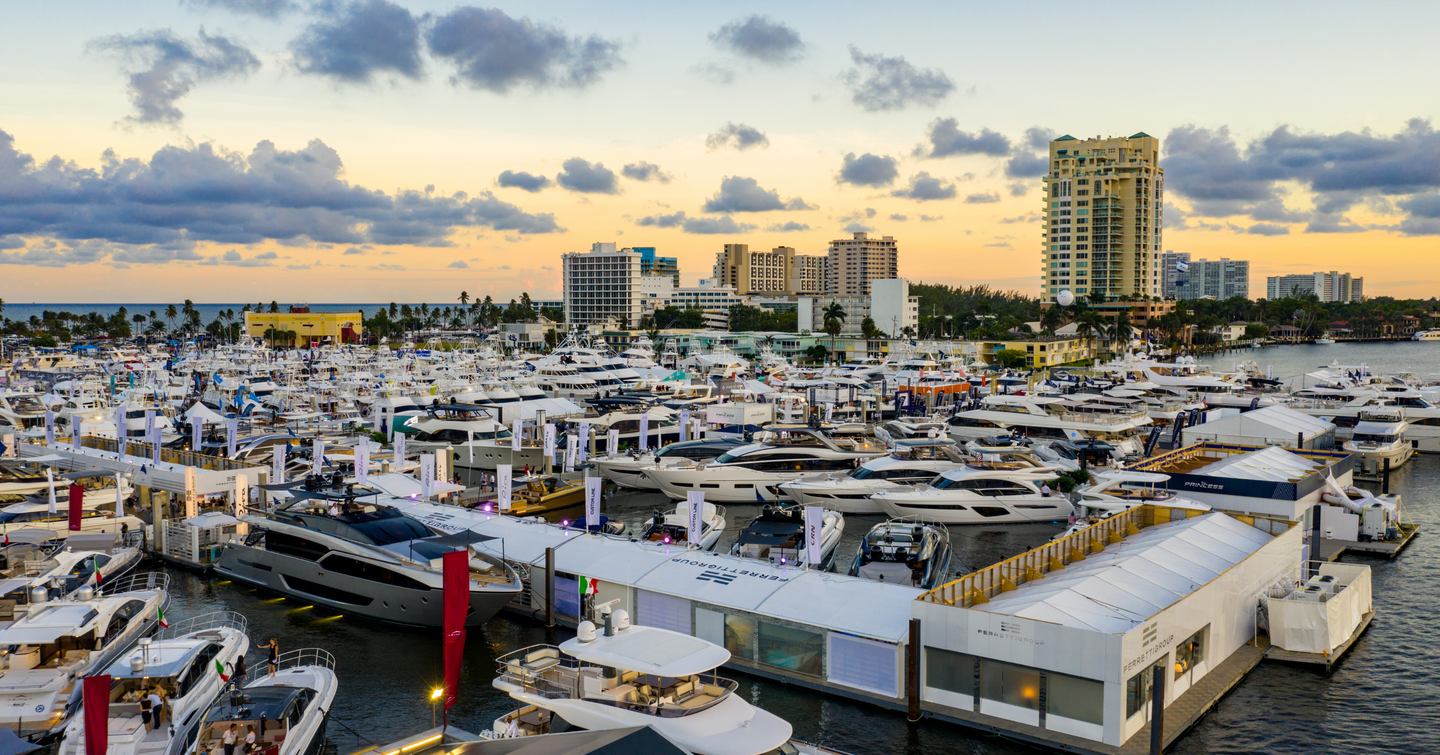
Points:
(589, 586)
(164, 623)
(220, 669)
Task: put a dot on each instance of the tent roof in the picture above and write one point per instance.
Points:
(1270, 463)
(1274, 421)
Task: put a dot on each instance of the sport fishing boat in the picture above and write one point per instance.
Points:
(628, 469)
(777, 535)
(189, 663)
(341, 547)
(288, 709)
(754, 472)
(979, 496)
(905, 552)
(913, 461)
(58, 642)
(627, 675)
(674, 526)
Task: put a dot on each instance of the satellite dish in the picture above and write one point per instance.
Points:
(1065, 298)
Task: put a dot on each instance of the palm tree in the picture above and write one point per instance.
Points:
(834, 319)
(1085, 327)
(1121, 331)
(464, 298)
(170, 314)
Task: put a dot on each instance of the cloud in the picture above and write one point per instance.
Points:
(1027, 165)
(857, 227)
(758, 38)
(722, 224)
(737, 135)
(931, 218)
(742, 194)
(1018, 189)
(671, 220)
(492, 51)
(586, 177)
(898, 218)
(355, 41)
(1267, 229)
(1035, 218)
(868, 170)
(787, 227)
(385, 266)
(353, 251)
(925, 187)
(643, 171)
(947, 139)
(1039, 137)
(459, 265)
(714, 72)
(519, 179)
(204, 193)
(263, 8)
(878, 82)
(1332, 223)
(988, 197)
(162, 68)
(233, 258)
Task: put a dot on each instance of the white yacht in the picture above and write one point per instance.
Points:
(754, 472)
(674, 526)
(1422, 417)
(979, 496)
(1053, 418)
(190, 663)
(443, 425)
(777, 535)
(1379, 438)
(1114, 491)
(628, 469)
(57, 643)
(288, 709)
(905, 552)
(913, 461)
(1426, 335)
(85, 561)
(629, 675)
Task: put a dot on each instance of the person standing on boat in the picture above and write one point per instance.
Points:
(157, 707)
(228, 740)
(272, 659)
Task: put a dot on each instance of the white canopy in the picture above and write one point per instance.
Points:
(202, 413)
(649, 650)
(1271, 424)
(1272, 463)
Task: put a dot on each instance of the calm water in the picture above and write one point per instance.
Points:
(1384, 697)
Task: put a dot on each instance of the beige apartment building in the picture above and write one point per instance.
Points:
(1103, 217)
(852, 263)
(779, 271)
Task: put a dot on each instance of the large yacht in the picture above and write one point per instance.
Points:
(1379, 439)
(754, 472)
(288, 709)
(339, 546)
(629, 675)
(189, 662)
(913, 461)
(628, 469)
(1053, 418)
(979, 496)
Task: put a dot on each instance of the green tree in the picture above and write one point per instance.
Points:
(833, 320)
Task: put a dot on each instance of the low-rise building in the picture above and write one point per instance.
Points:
(308, 328)
(1040, 351)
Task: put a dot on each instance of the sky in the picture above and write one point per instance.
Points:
(368, 150)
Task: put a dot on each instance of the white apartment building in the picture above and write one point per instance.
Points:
(889, 305)
(602, 285)
(1327, 287)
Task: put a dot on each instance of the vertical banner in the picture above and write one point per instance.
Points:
(317, 457)
(242, 496)
(95, 697)
(192, 501)
(50, 486)
(155, 446)
(75, 425)
(645, 431)
(584, 445)
(684, 425)
(504, 479)
(377, 418)
(549, 441)
(119, 496)
(277, 463)
(197, 434)
(612, 441)
(49, 427)
(592, 502)
(427, 475)
(232, 436)
(455, 592)
(77, 505)
(122, 431)
(517, 433)
(399, 449)
(362, 461)
(814, 525)
(149, 424)
(442, 465)
(470, 448)
(572, 449)
(695, 520)
(829, 412)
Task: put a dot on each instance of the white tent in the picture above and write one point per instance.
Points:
(203, 413)
(1275, 425)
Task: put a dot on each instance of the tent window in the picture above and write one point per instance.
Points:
(1137, 692)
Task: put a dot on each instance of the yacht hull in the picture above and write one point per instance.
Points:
(977, 510)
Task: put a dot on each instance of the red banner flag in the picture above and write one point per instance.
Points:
(77, 506)
(456, 570)
(95, 696)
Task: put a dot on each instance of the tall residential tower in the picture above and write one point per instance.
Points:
(854, 262)
(1103, 218)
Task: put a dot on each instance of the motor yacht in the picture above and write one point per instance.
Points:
(58, 642)
(1379, 439)
(906, 552)
(82, 561)
(455, 425)
(545, 496)
(287, 709)
(341, 546)
(674, 526)
(1052, 418)
(627, 675)
(189, 663)
(912, 461)
(979, 496)
(777, 536)
(97, 515)
(1114, 491)
(628, 469)
(754, 472)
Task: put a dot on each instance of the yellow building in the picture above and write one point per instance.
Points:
(1102, 217)
(1040, 351)
(301, 327)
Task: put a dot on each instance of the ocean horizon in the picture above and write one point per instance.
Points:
(208, 310)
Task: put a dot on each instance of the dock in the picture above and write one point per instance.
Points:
(434, 740)
(1332, 550)
(1204, 695)
(1328, 660)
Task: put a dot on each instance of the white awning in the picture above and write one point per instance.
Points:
(650, 650)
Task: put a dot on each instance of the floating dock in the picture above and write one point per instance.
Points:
(1328, 660)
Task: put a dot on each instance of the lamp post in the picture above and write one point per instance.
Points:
(435, 696)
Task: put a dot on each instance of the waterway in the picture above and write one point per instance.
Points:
(1384, 697)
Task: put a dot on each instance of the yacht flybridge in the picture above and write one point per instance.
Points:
(627, 675)
(914, 460)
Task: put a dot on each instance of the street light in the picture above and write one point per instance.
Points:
(435, 695)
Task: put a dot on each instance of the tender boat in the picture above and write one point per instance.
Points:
(906, 552)
(630, 675)
(288, 709)
(777, 535)
(674, 526)
(545, 495)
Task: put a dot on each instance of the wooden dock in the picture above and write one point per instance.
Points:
(1194, 703)
(1328, 660)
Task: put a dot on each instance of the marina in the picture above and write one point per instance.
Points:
(1241, 510)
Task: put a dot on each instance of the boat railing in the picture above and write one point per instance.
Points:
(211, 620)
(542, 670)
(300, 658)
(137, 582)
